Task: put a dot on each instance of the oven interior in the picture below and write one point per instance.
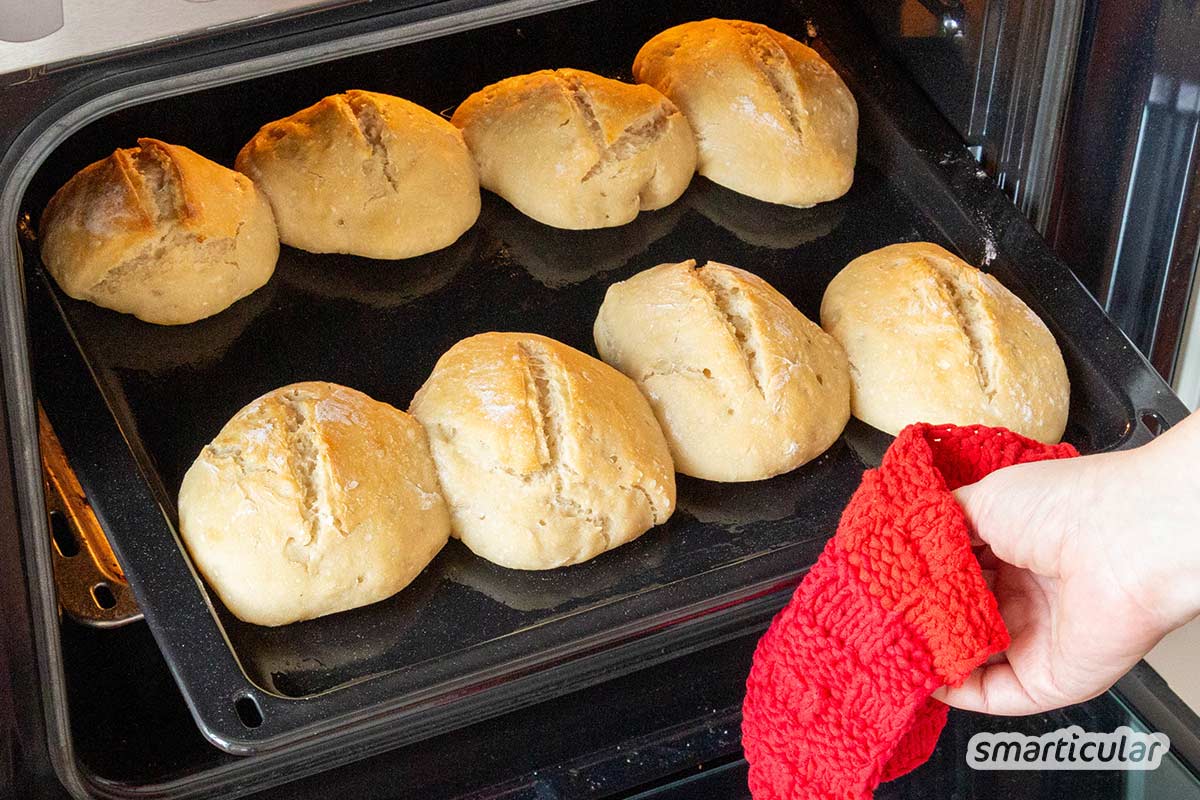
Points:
(133, 404)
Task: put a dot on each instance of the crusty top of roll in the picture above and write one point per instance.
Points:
(546, 455)
(744, 385)
(312, 499)
(932, 339)
(576, 150)
(772, 119)
(160, 232)
(365, 173)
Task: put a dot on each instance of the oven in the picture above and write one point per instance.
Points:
(1051, 143)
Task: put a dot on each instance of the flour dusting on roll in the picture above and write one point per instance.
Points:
(367, 174)
(547, 456)
(313, 499)
(772, 119)
(159, 232)
(744, 385)
(932, 339)
(575, 150)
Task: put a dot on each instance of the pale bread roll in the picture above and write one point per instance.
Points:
(159, 232)
(932, 339)
(313, 499)
(575, 150)
(772, 119)
(547, 456)
(744, 385)
(367, 174)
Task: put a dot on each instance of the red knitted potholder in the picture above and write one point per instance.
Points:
(838, 698)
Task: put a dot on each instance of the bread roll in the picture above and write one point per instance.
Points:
(547, 456)
(159, 232)
(366, 174)
(575, 150)
(772, 119)
(744, 385)
(312, 499)
(932, 339)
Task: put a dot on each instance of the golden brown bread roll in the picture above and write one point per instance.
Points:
(575, 150)
(744, 385)
(547, 456)
(367, 174)
(772, 119)
(932, 339)
(159, 232)
(313, 499)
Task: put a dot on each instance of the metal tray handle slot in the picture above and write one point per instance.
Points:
(91, 584)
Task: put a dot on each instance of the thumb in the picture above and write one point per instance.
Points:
(973, 501)
(1023, 512)
(991, 689)
(986, 505)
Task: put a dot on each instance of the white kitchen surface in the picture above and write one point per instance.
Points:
(97, 26)
(1177, 659)
(1187, 373)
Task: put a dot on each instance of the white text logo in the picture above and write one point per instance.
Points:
(1068, 748)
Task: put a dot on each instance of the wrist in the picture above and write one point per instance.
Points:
(1152, 513)
(1176, 455)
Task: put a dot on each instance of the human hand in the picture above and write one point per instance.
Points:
(1092, 561)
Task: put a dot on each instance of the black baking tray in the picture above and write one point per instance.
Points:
(467, 639)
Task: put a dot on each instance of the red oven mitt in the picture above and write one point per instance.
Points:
(838, 698)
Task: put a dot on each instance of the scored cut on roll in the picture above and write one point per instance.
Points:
(932, 339)
(312, 499)
(547, 456)
(159, 232)
(772, 119)
(367, 174)
(744, 385)
(576, 150)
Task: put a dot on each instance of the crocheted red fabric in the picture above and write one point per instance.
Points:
(838, 699)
